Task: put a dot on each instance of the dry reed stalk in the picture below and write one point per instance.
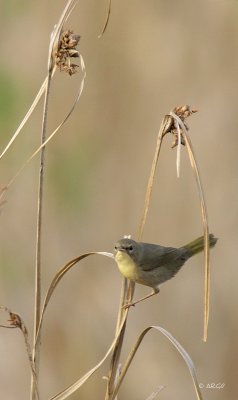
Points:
(54, 48)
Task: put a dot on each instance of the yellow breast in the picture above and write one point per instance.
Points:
(126, 265)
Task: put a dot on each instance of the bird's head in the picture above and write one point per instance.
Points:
(128, 246)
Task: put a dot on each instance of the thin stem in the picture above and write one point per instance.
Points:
(36, 344)
(128, 289)
(161, 134)
(207, 277)
(112, 375)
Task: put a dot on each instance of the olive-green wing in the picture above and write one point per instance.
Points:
(154, 256)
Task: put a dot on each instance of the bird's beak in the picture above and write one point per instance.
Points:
(119, 248)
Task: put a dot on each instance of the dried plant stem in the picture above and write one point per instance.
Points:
(71, 389)
(180, 124)
(15, 321)
(206, 237)
(194, 166)
(107, 19)
(113, 375)
(161, 133)
(37, 313)
(175, 343)
(60, 274)
(27, 116)
(53, 47)
(128, 289)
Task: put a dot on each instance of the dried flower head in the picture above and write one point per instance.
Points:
(182, 112)
(67, 50)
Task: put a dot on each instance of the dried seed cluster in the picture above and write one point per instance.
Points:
(66, 51)
(182, 112)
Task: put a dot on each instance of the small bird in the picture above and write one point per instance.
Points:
(152, 264)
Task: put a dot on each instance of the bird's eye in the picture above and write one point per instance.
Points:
(115, 247)
(131, 248)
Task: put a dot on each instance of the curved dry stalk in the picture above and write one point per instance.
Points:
(75, 386)
(120, 323)
(50, 137)
(162, 131)
(15, 321)
(114, 373)
(178, 347)
(155, 393)
(27, 116)
(53, 47)
(57, 278)
(169, 122)
(207, 278)
(70, 390)
(68, 9)
(128, 290)
(207, 274)
(56, 33)
(107, 19)
(65, 393)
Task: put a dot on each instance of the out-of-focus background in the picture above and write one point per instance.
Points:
(154, 55)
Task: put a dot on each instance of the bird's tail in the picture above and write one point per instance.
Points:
(197, 245)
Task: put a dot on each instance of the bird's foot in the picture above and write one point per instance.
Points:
(128, 305)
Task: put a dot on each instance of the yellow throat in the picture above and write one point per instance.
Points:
(126, 265)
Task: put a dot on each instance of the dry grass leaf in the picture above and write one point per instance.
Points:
(179, 114)
(178, 347)
(106, 20)
(57, 278)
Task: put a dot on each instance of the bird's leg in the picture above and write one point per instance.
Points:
(155, 291)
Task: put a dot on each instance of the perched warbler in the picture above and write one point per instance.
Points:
(152, 264)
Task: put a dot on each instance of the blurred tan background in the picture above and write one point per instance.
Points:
(154, 55)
